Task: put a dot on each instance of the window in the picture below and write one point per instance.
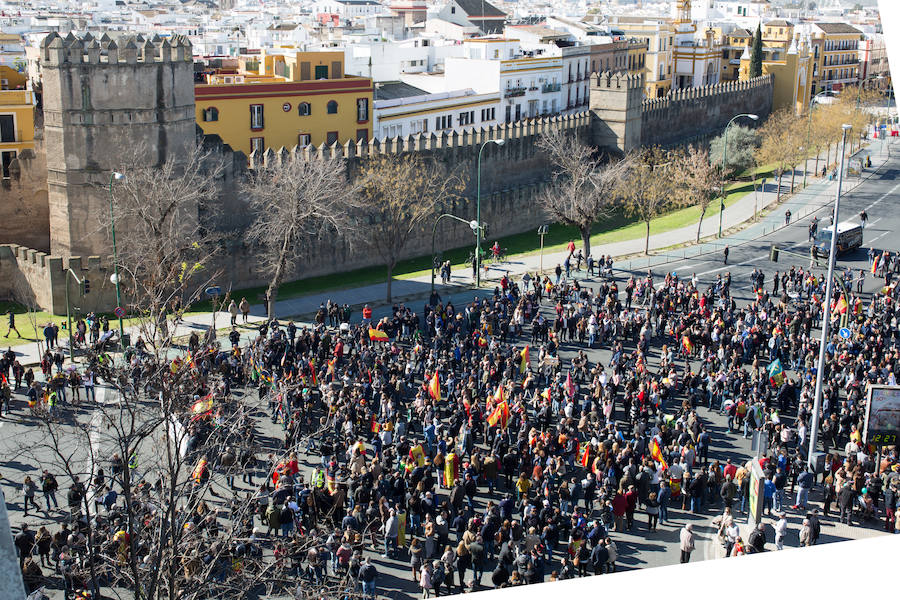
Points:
(304, 109)
(303, 140)
(452, 10)
(257, 144)
(362, 109)
(7, 128)
(7, 157)
(211, 114)
(256, 116)
(331, 137)
(321, 72)
(332, 107)
(362, 135)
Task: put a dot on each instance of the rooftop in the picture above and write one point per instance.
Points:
(479, 8)
(391, 90)
(838, 28)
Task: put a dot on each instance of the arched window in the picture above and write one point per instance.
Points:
(332, 107)
(303, 109)
(211, 114)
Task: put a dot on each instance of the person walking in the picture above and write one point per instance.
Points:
(11, 324)
(725, 255)
(233, 311)
(245, 309)
(425, 580)
(28, 490)
(787, 217)
(687, 542)
(368, 574)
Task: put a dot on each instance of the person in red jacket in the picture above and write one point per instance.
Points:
(631, 501)
(619, 504)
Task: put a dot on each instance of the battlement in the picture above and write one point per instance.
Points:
(617, 80)
(471, 139)
(651, 105)
(125, 49)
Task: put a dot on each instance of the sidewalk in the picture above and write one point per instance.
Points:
(666, 247)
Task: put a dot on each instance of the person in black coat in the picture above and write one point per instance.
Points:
(757, 539)
(599, 558)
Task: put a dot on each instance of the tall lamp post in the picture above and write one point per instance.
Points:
(499, 142)
(809, 129)
(472, 224)
(116, 176)
(826, 306)
(725, 162)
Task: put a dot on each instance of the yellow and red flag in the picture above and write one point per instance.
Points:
(841, 306)
(687, 344)
(876, 263)
(499, 415)
(434, 387)
(202, 405)
(585, 459)
(376, 335)
(312, 372)
(523, 364)
(656, 453)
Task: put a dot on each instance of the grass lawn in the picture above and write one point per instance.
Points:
(24, 325)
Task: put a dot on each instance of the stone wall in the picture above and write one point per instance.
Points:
(24, 212)
(28, 275)
(692, 114)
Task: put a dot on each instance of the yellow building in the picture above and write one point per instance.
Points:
(10, 79)
(836, 54)
(792, 74)
(733, 45)
(16, 124)
(777, 38)
(286, 99)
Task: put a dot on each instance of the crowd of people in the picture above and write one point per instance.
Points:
(487, 438)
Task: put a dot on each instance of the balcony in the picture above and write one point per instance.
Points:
(514, 92)
(549, 88)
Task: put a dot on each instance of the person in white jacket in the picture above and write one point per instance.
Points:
(780, 531)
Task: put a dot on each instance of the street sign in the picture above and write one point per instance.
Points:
(542, 230)
(844, 333)
(119, 312)
(214, 290)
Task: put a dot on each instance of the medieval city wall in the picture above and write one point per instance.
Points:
(24, 211)
(692, 114)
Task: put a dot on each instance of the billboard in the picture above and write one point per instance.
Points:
(882, 415)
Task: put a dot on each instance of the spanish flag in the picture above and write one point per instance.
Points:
(586, 456)
(500, 394)
(687, 344)
(202, 405)
(199, 470)
(417, 454)
(376, 335)
(523, 364)
(841, 306)
(482, 342)
(434, 387)
(546, 394)
(876, 263)
(499, 415)
(656, 453)
(331, 366)
(451, 469)
(312, 372)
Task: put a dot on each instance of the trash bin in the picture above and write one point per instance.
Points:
(126, 340)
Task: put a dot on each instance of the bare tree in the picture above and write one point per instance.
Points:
(582, 190)
(782, 139)
(294, 200)
(696, 180)
(164, 246)
(399, 192)
(647, 186)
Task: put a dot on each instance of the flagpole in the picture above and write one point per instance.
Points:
(826, 308)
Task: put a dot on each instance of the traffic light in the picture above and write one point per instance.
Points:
(773, 254)
(87, 286)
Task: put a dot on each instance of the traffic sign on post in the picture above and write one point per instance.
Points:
(213, 290)
(119, 312)
(844, 333)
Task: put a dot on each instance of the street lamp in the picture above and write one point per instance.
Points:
(472, 224)
(499, 142)
(826, 306)
(725, 162)
(116, 176)
(862, 83)
(809, 131)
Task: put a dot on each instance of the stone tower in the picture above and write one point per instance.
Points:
(104, 98)
(615, 104)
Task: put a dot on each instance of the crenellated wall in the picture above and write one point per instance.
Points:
(691, 114)
(24, 212)
(27, 274)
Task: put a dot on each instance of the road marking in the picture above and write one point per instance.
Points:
(879, 237)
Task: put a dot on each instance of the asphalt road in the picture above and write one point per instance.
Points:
(636, 549)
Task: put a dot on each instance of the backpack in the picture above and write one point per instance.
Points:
(437, 578)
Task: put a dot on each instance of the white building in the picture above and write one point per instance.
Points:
(348, 9)
(402, 110)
